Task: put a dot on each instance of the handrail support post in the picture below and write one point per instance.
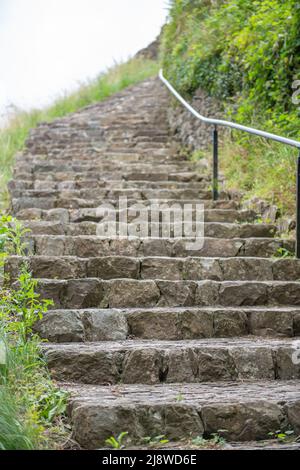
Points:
(298, 208)
(215, 184)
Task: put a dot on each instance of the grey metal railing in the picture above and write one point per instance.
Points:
(250, 130)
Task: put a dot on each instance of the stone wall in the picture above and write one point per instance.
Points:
(187, 129)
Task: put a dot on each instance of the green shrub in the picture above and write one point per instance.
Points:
(246, 54)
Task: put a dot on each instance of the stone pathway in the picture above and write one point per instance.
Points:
(150, 337)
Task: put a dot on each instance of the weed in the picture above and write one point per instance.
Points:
(281, 436)
(21, 307)
(179, 397)
(283, 253)
(156, 440)
(116, 442)
(216, 440)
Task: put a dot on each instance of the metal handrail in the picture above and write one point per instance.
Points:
(249, 130)
(220, 122)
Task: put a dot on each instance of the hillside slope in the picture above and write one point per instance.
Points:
(247, 55)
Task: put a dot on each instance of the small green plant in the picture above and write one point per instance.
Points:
(281, 436)
(216, 440)
(260, 220)
(197, 155)
(179, 397)
(12, 234)
(21, 306)
(283, 253)
(116, 442)
(156, 440)
(52, 403)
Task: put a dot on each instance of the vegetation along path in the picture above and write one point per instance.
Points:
(149, 337)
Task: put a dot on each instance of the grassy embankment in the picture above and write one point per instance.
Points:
(246, 54)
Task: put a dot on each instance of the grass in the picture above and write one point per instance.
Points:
(14, 134)
(32, 407)
(14, 434)
(258, 168)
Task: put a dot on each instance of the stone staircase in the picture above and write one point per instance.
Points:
(149, 337)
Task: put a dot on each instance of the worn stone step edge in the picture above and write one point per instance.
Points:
(91, 246)
(93, 188)
(167, 323)
(209, 229)
(166, 268)
(67, 202)
(112, 176)
(248, 411)
(127, 293)
(188, 361)
(208, 444)
(90, 213)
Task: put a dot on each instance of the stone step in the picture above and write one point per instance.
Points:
(246, 410)
(271, 444)
(209, 229)
(167, 210)
(91, 246)
(223, 211)
(132, 212)
(49, 201)
(100, 165)
(99, 153)
(105, 143)
(290, 443)
(111, 170)
(188, 361)
(127, 293)
(148, 146)
(89, 154)
(96, 188)
(63, 326)
(167, 268)
(99, 170)
(113, 177)
(90, 213)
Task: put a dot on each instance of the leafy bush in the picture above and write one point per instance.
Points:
(247, 54)
(12, 235)
(243, 51)
(21, 306)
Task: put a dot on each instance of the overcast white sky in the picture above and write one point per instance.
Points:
(49, 46)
